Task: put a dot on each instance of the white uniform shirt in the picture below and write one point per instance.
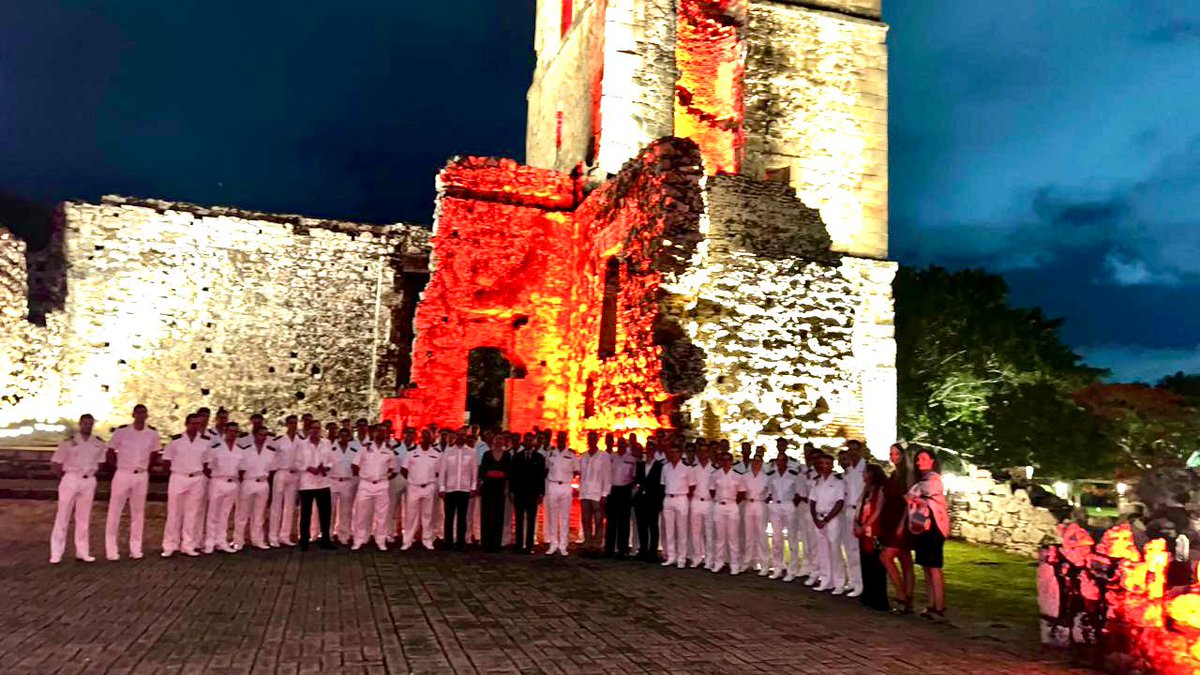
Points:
(755, 485)
(133, 447)
(258, 463)
(781, 489)
(285, 451)
(727, 485)
(595, 475)
(224, 461)
(676, 479)
(826, 493)
(855, 482)
(422, 466)
(343, 461)
(374, 463)
(624, 468)
(310, 455)
(187, 455)
(561, 466)
(79, 455)
(806, 480)
(459, 469)
(701, 478)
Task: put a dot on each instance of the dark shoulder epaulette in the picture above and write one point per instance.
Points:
(176, 437)
(794, 472)
(839, 476)
(215, 444)
(244, 447)
(121, 427)
(151, 428)
(204, 435)
(243, 434)
(277, 437)
(272, 448)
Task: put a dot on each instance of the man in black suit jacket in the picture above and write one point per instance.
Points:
(526, 487)
(647, 504)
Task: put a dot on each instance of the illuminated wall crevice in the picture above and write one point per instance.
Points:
(709, 96)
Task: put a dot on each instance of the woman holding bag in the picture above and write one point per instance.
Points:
(929, 522)
(867, 529)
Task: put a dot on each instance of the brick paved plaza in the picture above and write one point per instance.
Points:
(280, 610)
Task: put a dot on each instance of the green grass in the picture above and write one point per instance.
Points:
(992, 591)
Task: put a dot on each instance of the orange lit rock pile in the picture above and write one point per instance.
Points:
(1120, 606)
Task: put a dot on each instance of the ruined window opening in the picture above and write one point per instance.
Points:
(487, 382)
(608, 316)
(568, 16)
(589, 399)
(782, 174)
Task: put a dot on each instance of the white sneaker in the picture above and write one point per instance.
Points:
(839, 591)
(135, 556)
(776, 575)
(356, 546)
(112, 558)
(682, 564)
(562, 550)
(697, 562)
(85, 558)
(552, 550)
(716, 568)
(854, 593)
(789, 577)
(55, 561)
(764, 572)
(167, 554)
(734, 571)
(262, 546)
(406, 545)
(382, 546)
(668, 562)
(812, 581)
(192, 552)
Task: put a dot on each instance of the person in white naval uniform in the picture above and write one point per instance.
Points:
(700, 539)
(75, 462)
(561, 466)
(399, 483)
(374, 465)
(132, 449)
(783, 499)
(186, 458)
(420, 468)
(754, 518)
(826, 500)
(285, 483)
(853, 475)
(728, 490)
(342, 485)
(677, 488)
(225, 464)
(258, 461)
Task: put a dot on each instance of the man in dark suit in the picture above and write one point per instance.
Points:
(647, 503)
(526, 487)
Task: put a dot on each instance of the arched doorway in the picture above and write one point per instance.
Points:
(487, 379)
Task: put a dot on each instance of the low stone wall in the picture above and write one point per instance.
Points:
(987, 511)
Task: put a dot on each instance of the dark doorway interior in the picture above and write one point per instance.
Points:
(487, 374)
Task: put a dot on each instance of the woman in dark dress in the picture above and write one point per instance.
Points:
(493, 483)
(867, 529)
(893, 529)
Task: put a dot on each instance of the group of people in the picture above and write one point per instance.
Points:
(845, 532)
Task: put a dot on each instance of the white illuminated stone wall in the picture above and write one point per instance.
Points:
(797, 341)
(28, 352)
(816, 105)
(178, 306)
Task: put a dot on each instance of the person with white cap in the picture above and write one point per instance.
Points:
(853, 476)
(825, 501)
(225, 464)
(561, 466)
(677, 490)
(285, 484)
(342, 485)
(754, 518)
(75, 462)
(258, 461)
(700, 518)
(727, 490)
(132, 449)
(783, 500)
(420, 468)
(375, 466)
(186, 458)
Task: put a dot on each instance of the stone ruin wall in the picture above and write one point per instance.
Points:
(816, 104)
(178, 306)
(28, 352)
(990, 512)
(792, 334)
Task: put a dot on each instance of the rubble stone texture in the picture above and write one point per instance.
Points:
(27, 351)
(990, 512)
(178, 306)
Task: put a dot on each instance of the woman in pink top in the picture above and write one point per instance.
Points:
(929, 520)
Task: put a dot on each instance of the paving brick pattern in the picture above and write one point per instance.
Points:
(284, 611)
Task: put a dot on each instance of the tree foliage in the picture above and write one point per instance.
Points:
(1153, 427)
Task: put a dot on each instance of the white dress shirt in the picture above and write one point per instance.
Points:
(595, 475)
(187, 455)
(422, 466)
(701, 478)
(312, 456)
(624, 468)
(561, 466)
(225, 461)
(343, 461)
(80, 455)
(676, 478)
(374, 463)
(258, 463)
(133, 447)
(285, 451)
(459, 469)
(727, 485)
(826, 493)
(755, 485)
(855, 482)
(782, 489)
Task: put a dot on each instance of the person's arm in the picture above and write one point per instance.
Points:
(605, 477)
(812, 510)
(837, 508)
(441, 473)
(167, 454)
(356, 463)
(473, 462)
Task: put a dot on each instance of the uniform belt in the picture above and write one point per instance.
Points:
(81, 475)
(133, 471)
(755, 501)
(560, 482)
(678, 494)
(375, 482)
(227, 479)
(190, 475)
(420, 485)
(722, 503)
(700, 499)
(261, 479)
(338, 478)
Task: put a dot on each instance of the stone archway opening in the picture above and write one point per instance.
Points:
(487, 383)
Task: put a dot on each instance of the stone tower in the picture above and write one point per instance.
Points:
(792, 91)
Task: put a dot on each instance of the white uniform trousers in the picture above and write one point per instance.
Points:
(830, 569)
(754, 529)
(75, 495)
(849, 546)
(418, 513)
(127, 486)
(675, 529)
(250, 513)
(342, 495)
(805, 564)
(396, 491)
(284, 487)
(183, 510)
(222, 497)
(783, 529)
(202, 509)
(372, 512)
(700, 524)
(439, 517)
(726, 548)
(558, 515)
(473, 523)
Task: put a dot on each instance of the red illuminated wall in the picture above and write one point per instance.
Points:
(519, 265)
(709, 103)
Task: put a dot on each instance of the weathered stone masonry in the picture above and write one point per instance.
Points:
(179, 306)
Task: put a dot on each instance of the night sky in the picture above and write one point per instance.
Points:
(1056, 142)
